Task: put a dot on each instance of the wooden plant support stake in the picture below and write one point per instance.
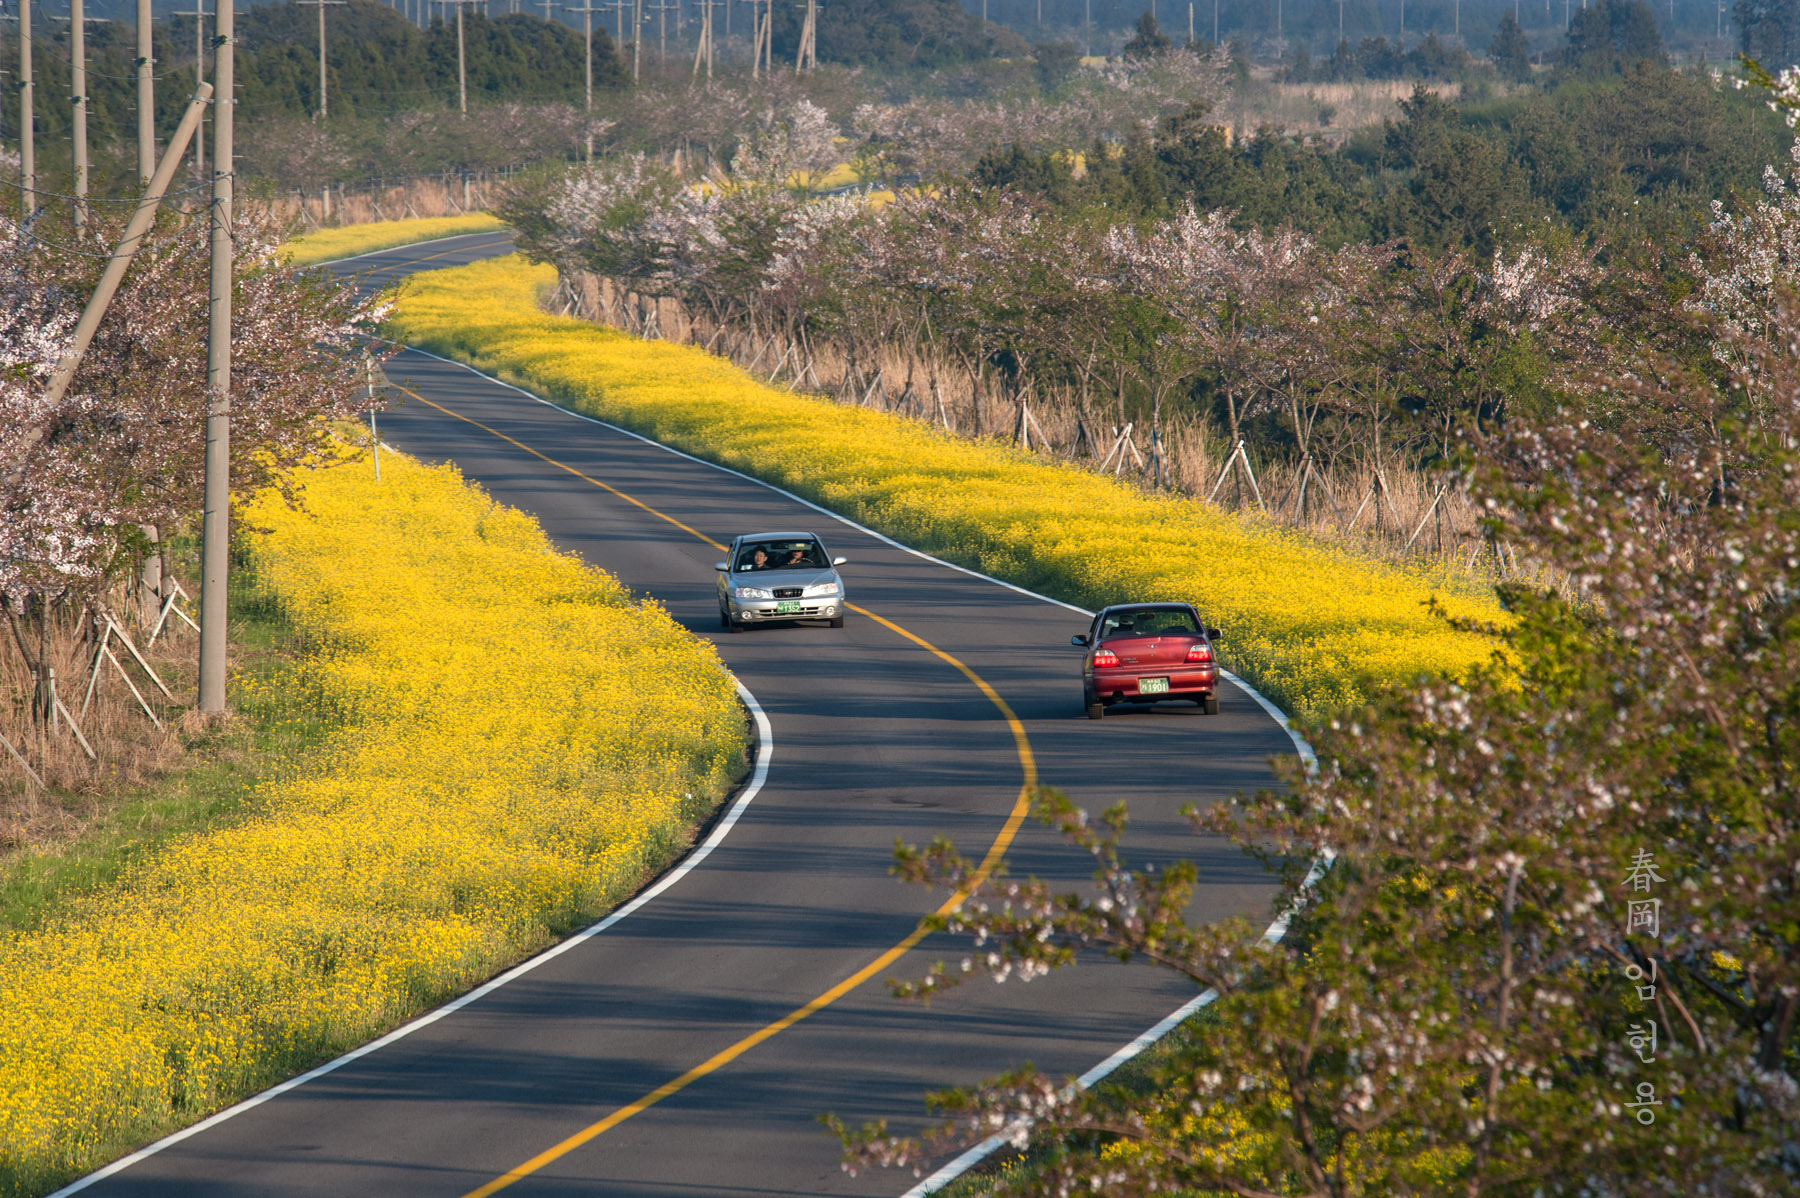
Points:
(1435, 500)
(126, 641)
(134, 690)
(23, 764)
(168, 607)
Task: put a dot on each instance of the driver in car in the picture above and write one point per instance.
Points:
(796, 557)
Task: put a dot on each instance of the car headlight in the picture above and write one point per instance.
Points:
(754, 593)
(822, 588)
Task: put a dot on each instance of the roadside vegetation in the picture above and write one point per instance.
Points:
(483, 790)
(1316, 627)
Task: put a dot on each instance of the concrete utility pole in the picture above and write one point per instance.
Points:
(324, 96)
(587, 12)
(703, 50)
(27, 118)
(215, 521)
(808, 56)
(198, 12)
(78, 98)
(462, 57)
(637, 38)
(146, 95)
(662, 27)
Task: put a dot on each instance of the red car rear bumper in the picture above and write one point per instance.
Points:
(1185, 682)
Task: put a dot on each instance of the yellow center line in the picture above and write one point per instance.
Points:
(1009, 830)
(375, 270)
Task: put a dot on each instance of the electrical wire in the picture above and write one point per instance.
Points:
(93, 199)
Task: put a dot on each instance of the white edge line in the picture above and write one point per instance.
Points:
(1273, 935)
(401, 246)
(765, 749)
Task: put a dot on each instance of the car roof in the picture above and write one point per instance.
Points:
(1117, 607)
(775, 536)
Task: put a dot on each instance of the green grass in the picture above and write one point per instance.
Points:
(216, 784)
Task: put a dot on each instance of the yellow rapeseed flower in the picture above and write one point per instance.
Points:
(520, 743)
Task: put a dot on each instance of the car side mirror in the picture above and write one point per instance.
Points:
(838, 561)
(1212, 634)
(722, 567)
(1079, 638)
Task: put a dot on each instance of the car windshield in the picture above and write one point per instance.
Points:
(780, 555)
(1148, 622)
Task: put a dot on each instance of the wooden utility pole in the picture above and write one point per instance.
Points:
(215, 520)
(808, 55)
(27, 119)
(324, 96)
(587, 12)
(146, 95)
(198, 12)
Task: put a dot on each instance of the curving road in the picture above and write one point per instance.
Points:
(874, 739)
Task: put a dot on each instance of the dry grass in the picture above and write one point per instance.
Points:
(129, 750)
(410, 199)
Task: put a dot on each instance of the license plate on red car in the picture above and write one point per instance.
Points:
(1153, 686)
(788, 608)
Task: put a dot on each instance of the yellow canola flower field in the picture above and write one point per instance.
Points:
(522, 743)
(1313, 626)
(327, 245)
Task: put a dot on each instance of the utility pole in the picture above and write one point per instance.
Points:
(198, 12)
(637, 38)
(324, 97)
(146, 95)
(808, 57)
(462, 59)
(78, 98)
(587, 12)
(662, 27)
(703, 50)
(27, 119)
(215, 522)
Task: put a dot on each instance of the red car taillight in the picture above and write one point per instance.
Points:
(1105, 659)
(1199, 654)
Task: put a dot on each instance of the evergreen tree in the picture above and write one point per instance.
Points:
(1148, 41)
(1612, 35)
(1510, 52)
(1769, 30)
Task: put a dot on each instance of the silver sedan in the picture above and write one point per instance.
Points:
(779, 576)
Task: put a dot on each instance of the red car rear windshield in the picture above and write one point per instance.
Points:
(1152, 622)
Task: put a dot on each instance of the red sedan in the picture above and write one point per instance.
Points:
(1148, 652)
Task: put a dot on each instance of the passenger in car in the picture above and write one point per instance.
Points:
(758, 560)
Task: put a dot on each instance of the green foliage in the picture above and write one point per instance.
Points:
(1611, 36)
(897, 34)
(1628, 156)
(1148, 41)
(1510, 52)
(1768, 30)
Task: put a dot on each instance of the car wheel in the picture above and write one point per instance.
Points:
(1210, 705)
(1096, 711)
(724, 618)
(837, 621)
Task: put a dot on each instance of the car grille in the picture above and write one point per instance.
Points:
(805, 613)
(789, 592)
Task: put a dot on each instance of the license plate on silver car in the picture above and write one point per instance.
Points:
(1153, 686)
(790, 607)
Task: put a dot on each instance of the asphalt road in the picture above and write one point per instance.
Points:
(875, 739)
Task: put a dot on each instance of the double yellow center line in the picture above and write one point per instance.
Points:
(1010, 829)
